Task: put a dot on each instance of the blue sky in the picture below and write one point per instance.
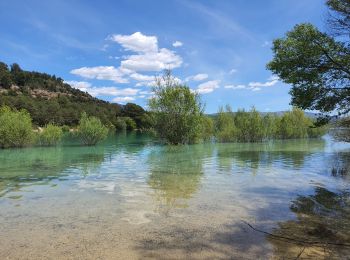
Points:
(113, 49)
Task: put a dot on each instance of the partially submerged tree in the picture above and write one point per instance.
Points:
(225, 125)
(177, 111)
(15, 128)
(51, 135)
(91, 130)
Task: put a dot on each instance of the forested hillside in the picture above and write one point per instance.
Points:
(49, 99)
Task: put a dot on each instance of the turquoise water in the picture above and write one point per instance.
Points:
(131, 198)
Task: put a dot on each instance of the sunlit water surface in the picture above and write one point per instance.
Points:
(130, 198)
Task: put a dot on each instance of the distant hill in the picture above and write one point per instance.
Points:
(278, 113)
(49, 99)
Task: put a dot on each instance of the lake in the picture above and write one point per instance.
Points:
(131, 198)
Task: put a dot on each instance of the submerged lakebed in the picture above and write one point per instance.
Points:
(130, 198)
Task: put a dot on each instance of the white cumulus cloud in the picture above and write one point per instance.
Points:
(141, 77)
(269, 83)
(123, 99)
(147, 57)
(235, 86)
(82, 85)
(112, 91)
(102, 73)
(137, 42)
(152, 61)
(177, 44)
(198, 77)
(208, 87)
(102, 91)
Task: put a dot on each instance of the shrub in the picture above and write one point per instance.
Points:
(120, 124)
(177, 111)
(271, 123)
(91, 130)
(225, 125)
(207, 128)
(51, 135)
(15, 128)
(130, 123)
(65, 129)
(252, 127)
(294, 124)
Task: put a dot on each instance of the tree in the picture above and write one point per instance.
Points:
(15, 128)
(18, 75)
(317, 66)
(294, 124)
(177, 111)
(5, 76)
(226, 130)
(207, 128)
(135, 112)
(339, 17)
(51, 135)
(91, 130)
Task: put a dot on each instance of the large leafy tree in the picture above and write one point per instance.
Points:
(316, 64)
(177, 111)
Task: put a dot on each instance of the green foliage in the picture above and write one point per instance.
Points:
(130, 123)
(207, 128)
(225, 125)
(294, 124)
(271, 125)
(317, 64)
(338, 20)
(15, 128)
(51, 135)
(91, 130)
(120, 124)
(65, 129)
(125, 123)
(138, 115)
(177, 111)
(5, 76)
(250, 126)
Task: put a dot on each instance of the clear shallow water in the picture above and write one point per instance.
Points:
(130, 198)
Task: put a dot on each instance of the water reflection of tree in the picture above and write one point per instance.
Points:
(323, 217)
(289, 153)
(340, 164)
(176, 173)
(39, 166)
